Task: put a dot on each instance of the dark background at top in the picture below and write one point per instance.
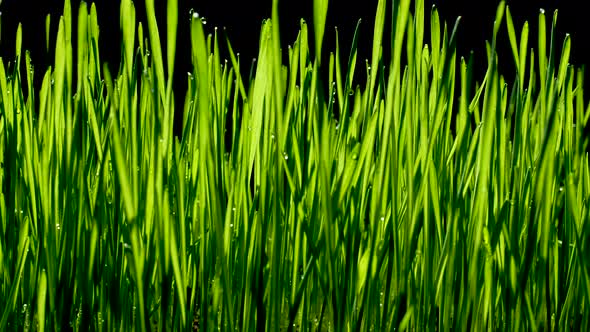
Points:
(242, 20)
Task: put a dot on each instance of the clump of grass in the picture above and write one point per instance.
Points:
(435, 200)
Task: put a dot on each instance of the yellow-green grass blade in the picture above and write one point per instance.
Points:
(320, 11)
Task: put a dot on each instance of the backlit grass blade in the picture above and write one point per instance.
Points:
(121, 169)
(154, 37)
(512, 38)
(320, 11)
(41, 300)
(127, 22)
(523, 53)
(171, 24)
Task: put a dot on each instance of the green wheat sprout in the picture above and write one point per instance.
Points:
(422, 199)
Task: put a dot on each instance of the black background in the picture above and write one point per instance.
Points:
(242, 21)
